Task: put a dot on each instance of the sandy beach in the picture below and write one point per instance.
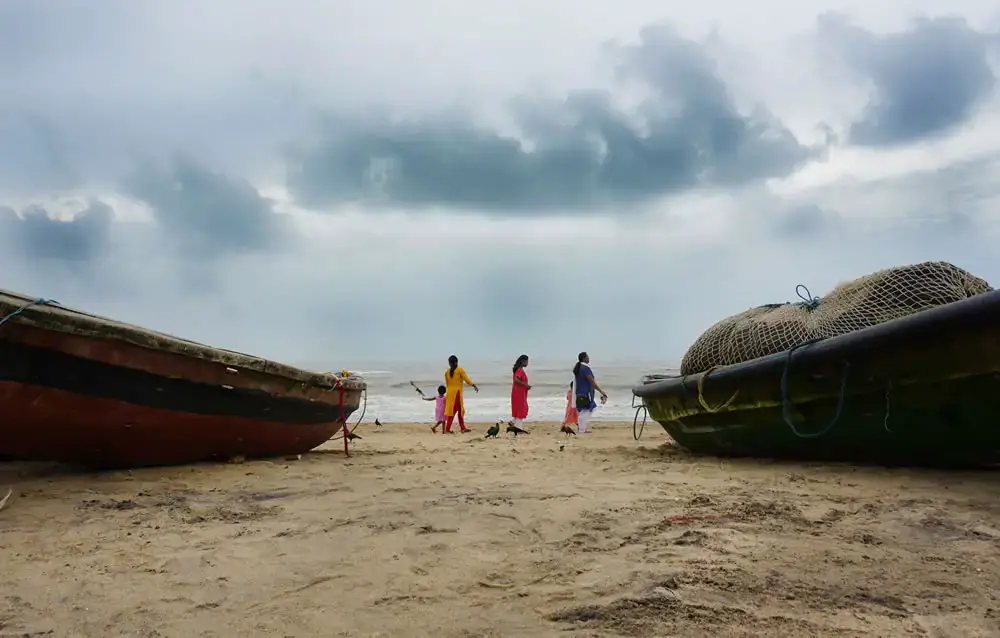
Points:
(428, 535)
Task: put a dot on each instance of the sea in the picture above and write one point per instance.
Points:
(392, 398)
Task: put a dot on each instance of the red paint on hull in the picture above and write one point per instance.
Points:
(45, 424)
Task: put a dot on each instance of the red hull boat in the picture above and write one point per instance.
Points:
(83, 389)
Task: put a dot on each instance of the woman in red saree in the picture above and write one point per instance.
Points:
(519, 392)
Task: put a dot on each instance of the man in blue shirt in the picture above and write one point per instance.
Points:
(584, 385)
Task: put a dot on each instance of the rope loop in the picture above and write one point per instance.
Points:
(786, 403)
(639, 426)
(701, 394)
(808, 301)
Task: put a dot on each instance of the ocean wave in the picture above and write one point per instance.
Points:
(391, 408)
(541, 385)
(546, 382)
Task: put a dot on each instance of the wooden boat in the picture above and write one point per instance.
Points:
(84, 389)
(923, 390)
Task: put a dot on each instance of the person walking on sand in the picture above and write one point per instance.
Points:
(585, 384)
(438, 408)
(455, 379)
(519, 392)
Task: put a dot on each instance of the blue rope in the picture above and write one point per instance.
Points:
(786, 404)
(41, 301)
(808, 301)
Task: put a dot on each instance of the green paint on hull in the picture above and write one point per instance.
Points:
(945, 424)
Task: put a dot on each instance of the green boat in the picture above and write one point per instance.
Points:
(919, 390)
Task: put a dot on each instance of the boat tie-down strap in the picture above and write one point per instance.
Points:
(345, 431)
(41, 301)
(786, 402)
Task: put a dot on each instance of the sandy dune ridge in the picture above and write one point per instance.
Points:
(420, 534)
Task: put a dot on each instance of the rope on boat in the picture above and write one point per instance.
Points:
(364, 407)
(888, 407)
(701, 394)
(808, 301)
(41, 301)
(636, 434)
(786, 404)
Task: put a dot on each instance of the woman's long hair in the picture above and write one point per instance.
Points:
(520, 362)
(579, 361)
(452, 365)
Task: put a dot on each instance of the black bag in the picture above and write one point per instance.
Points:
(583, 402)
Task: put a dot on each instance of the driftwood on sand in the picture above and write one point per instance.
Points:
(3, 501)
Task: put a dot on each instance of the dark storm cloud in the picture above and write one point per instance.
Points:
(965, 189)
(953, 196)
(56, 141)
(36, 234)
(525, 285)
(32, 155)
(87, 89)
(586, 151)
(804, 221)
(208, 213)
(925, 80)
(38, 32)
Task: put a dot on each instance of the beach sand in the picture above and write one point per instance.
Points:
(428, 535)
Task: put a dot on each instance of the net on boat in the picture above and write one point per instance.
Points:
(867, 301)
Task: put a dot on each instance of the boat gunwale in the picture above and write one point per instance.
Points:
(975, 308)
(52, 316)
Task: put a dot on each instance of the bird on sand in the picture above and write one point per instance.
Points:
(351, 436)
(567, 430)
(378, 424)
(493, 431)
(516, 430)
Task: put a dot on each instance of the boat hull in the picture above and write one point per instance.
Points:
(84, 398)
(55, 425)
(922, 390)
(931, 425)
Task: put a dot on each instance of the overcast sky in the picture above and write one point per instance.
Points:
(345, 181)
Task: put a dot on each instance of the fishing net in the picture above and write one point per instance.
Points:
(867, 301)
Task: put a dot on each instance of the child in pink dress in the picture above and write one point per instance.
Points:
(572, 416)
(438, 408)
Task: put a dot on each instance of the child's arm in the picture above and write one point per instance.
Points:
(428, 398)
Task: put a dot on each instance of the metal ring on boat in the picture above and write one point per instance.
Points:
(637, 427)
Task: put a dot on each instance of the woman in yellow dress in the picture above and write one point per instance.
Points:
(455, 379)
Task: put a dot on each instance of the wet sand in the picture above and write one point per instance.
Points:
(420, 534)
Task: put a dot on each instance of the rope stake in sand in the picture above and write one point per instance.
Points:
(343, 418)
(3, 502)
